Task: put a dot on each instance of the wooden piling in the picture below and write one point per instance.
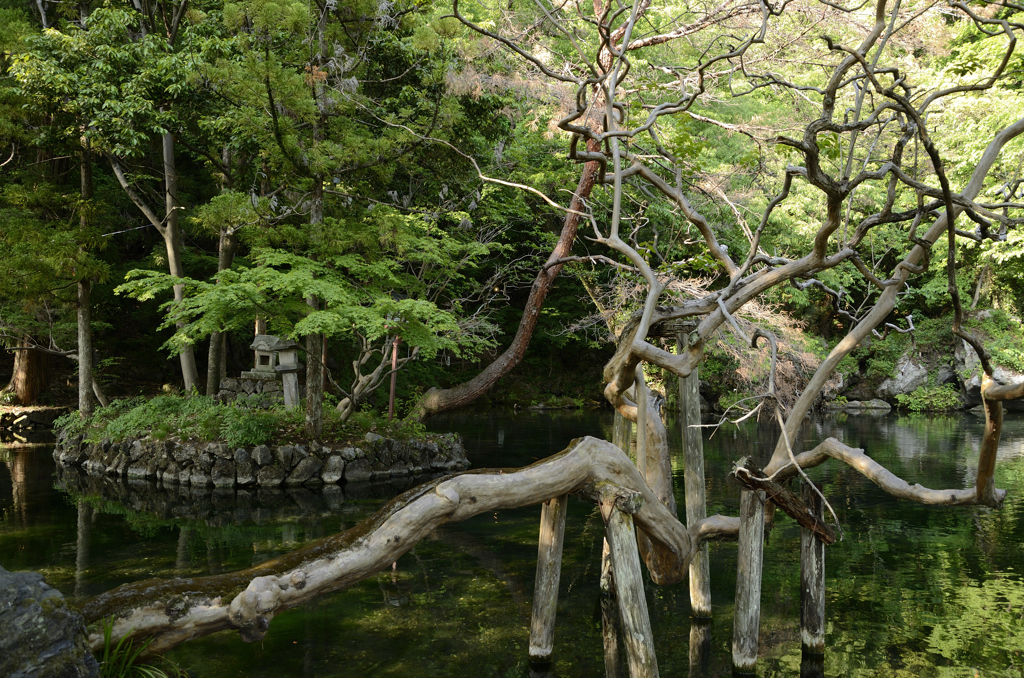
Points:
(747, 610)
(622, 433)
(629, 586)
(812, 580)
(693, 480)
(610, 631)
(641, 421)
(700, 648)
(549, 572)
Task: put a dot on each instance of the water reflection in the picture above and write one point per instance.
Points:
(910, 591)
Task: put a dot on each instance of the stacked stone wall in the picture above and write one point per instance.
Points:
(199, 464)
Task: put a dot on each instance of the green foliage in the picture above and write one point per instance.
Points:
(930, 399)
(1002, 334)
(123, 659)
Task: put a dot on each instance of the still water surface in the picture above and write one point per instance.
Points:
(912, 591)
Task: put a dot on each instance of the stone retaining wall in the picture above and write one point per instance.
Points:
(194, 463)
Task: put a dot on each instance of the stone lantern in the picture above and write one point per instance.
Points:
(265, 346)
(288, 367)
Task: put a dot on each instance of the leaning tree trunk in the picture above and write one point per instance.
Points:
(439, 400)
(172, 240)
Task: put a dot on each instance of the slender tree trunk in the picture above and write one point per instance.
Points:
(85, 375)
(215, 362)
(172, 240)
(314, 342)
(439, 400)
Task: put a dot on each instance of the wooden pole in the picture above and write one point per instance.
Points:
(610, 631)
(747, 611)
(622, 433)
(549, 571)
(641, 422)
(693, 480)
(629, 585)
(812, 580)
(700, 648)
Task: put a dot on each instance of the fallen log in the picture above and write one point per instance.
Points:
(173, 611)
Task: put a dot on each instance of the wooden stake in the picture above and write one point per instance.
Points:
(812, 580)
(549, 571)
(747, 611)
(693, 479)
(622, 433)
(629, 585)
(610, 631)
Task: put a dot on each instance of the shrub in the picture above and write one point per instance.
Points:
(930, 399)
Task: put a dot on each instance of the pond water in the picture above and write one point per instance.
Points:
(911, 591)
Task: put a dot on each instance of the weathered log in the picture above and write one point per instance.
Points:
(812, 579)
(750, 476)
(549, 573)
(176, 610)
(747, 610)
(617, 512)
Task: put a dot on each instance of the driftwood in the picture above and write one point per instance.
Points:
(173, 611)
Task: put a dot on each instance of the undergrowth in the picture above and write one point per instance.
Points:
(124, 659)
(930, 399)
(203, 418)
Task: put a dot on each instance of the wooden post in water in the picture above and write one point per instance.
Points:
(700, 648)
(812, 580)
(747, 611)
(549, 571)
(629, 585)
(693, 480)
(622, 433)
(610, 631)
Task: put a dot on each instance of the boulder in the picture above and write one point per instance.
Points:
(245, 473)
(334, 469)
(223, 473)
(909, 376)
(306, 469)
(262, 455)
(285, 455)
(41, 636)
(271, 476)
(357, 471)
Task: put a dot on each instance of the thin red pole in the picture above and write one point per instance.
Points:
(394, 377)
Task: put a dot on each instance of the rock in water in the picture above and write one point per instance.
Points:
(40, 636)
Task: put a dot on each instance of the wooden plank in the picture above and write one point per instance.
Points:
(549, 572)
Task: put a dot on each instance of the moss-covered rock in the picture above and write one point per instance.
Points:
(40, 636)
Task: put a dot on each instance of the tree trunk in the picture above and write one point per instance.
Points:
(314, 342)
(85, 375)
(439, 400)
(215, 362)
(31, 373)
(172, 240)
